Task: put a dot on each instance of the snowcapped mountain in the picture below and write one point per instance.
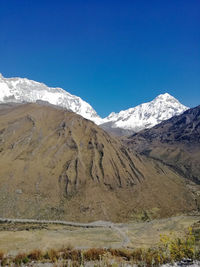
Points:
(145, 115)
(135, 119)
(24, 90)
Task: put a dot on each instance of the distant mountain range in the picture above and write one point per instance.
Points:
(131, 120)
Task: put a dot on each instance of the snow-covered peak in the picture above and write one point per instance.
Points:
(25, 90)
(164, 96)
(137, 118)
(146, 115)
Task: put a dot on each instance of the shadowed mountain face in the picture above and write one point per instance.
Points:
(116, 131)
(175, 142)
(55, 164)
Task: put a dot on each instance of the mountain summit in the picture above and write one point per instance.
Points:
(24, 90)
(134, 119)
(146, 115)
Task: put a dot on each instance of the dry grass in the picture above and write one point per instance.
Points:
(21, 258)
(35, 255)
(1, 256)
(74, 255)
(94, 254)
(52, 255)
(170, 249)
(122, 253)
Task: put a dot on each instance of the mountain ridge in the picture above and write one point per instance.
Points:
(24, 90)
(175, 142)
(134, 119)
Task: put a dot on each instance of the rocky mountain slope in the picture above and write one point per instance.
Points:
(145, 115)
(54, 164)
(125, 122)
(176, 142)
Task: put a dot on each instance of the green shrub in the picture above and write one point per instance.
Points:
(21, 258)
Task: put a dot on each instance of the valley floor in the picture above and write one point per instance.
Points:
(18, 237)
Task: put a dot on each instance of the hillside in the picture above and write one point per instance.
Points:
(175, 142)
(57, 165)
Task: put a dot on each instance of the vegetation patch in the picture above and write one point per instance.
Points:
(169, 250)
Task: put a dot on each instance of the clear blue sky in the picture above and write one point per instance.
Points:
(113, 54)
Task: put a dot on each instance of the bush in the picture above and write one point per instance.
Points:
(122, 253)
(35, 255)
(176, 248)
(21, 258)
(52, 255)
(1, 255)
(74, 255)
(94, 254)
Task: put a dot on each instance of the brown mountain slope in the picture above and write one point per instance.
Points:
(56, 165)
(175, 142)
